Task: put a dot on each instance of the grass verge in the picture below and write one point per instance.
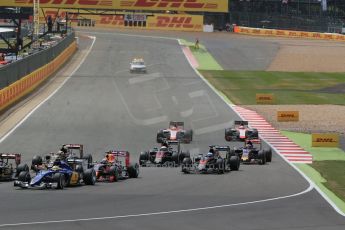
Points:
(327, 170)
(334, 174)
(288, 88)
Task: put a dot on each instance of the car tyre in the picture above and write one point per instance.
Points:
(24, 176)
(60, 179)
(114, 174)
(268, 155)
(133, 170)
(22, 168)
(234, 163)
(89, 177)
(262, 157)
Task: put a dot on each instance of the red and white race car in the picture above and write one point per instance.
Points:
(241, 132)
(175, 132)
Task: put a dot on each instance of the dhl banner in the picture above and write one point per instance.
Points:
(287, 116)
(176, 22)
(150, 5)
(264, 98)
(25, 85)
(325, 140)
(180, 22)
(288, 33)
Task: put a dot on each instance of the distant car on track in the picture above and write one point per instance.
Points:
(175, 132)
(116, 166)
(241, 132)
(10, 166)
(219, 159)
(169, 154)
(253, 152)
(137, 66)
(67, 167)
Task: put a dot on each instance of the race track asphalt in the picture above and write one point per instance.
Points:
(105, 107)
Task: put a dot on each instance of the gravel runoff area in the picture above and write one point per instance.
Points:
(313, 118)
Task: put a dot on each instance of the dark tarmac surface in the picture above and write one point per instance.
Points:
(105, 107)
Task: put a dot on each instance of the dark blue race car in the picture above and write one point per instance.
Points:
(58, 172)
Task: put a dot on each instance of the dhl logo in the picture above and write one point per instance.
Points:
(175, 22)
(265, 98)
(111, 20)
(53, 14)
(329, 140)
(287, 115)
(190, 4)
(70, 2)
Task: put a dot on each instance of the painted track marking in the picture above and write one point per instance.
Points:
(310, 188)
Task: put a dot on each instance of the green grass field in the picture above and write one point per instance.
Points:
(287, 87)
(334, 173)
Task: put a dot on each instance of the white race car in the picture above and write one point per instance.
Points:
(138, 65)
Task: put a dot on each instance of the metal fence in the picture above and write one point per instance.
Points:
(19, 69)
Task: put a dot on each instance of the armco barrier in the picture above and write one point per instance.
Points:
(288, 33)
(26, 84)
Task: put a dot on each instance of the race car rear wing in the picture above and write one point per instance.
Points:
(178, 124)
(173, 142)
(76, 146)
(220, 148)
(15, 156)
(117, 153)
(254, 141)
(238, 123)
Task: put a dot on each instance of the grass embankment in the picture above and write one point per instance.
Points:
(241, 87)
(328, 168)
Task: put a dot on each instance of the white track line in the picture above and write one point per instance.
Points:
(52, 94)
(159, 213)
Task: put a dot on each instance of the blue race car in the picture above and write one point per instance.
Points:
(59, 171)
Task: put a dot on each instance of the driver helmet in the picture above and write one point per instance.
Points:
(163, 149)
(209, 154)
(249, 145)
(55, 167)
(164, 144)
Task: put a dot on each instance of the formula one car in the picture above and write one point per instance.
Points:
(175, 132)
(116, 166)
(137, 66)
(10, 166)
(169, 154)
(240, 132)
(253, 154)
(64, 168)
(219, 159)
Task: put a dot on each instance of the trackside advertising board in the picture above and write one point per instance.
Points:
(289, 33)
(178, 22)
(264, 98)
(325, 140)
(150, 5)
(286, 116)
